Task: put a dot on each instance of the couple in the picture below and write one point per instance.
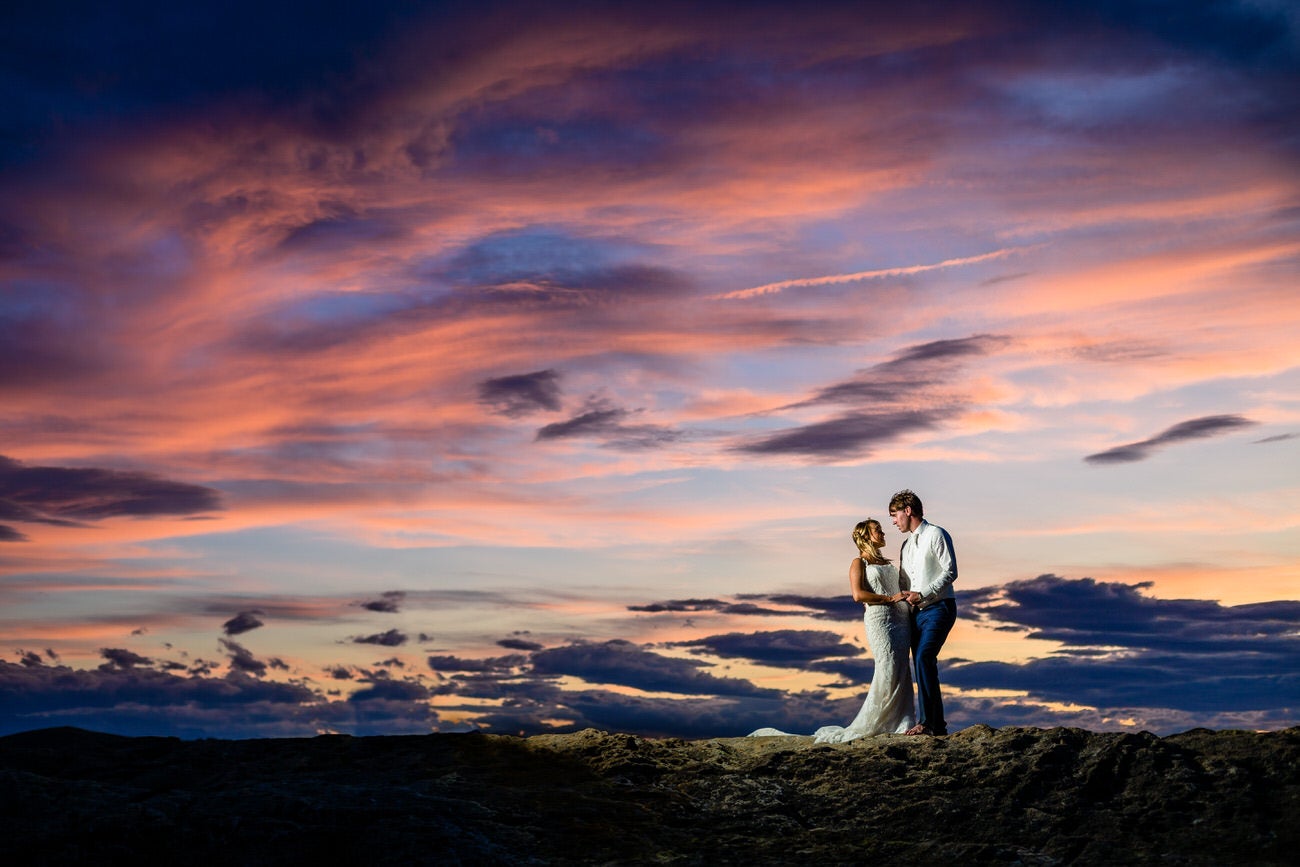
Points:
(910, 607)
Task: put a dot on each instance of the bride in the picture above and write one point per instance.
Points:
(889, 706)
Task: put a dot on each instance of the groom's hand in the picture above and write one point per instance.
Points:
(912, 597)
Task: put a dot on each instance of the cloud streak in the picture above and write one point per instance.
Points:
(885, 397)
(1193, 429)
(70, 496)
(523, 393)
(835, 279)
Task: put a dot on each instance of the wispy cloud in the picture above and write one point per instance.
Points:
(69, 496)
(523, 393)
(606, 423)
(845, 436)
(1193, 429)
(830, 280)
(915, 391)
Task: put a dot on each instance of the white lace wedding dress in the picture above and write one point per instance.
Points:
(890, 705)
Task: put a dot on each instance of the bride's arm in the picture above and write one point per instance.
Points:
(858, 586)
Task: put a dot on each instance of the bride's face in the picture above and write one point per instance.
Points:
(876, 535)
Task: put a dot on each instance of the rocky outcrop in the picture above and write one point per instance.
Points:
(980, 796)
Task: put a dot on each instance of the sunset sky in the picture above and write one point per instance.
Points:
(391, 367)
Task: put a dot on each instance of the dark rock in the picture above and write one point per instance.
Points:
(981, 796)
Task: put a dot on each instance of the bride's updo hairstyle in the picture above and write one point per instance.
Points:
(868, 549)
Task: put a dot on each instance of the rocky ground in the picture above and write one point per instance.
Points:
(981, 796)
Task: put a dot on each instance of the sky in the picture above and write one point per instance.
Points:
(401, 367)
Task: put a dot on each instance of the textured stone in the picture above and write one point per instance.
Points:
(981, 796)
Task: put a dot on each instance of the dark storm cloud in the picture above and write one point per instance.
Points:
(752, 610)
(142, 701)
(822, 607)
(697, 605)
(1152, 681)
(515, 690)
(791, 648)
(519, 644)
(122, 658)
(242, 659)
(680, 605)
(851, 672)
(522, 393)
(389, 602)
(1087, 613)
(626, 664)
(391, 638)
(1126, 650)
(457, 663)
(694, 717)
(819, 607)
(604, 422)
(1197, 428)
(391, 690)
(242, 622)
(1120, 650)
(9, 534)
(72, 495)
(701, 718)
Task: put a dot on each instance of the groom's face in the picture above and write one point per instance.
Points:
(903, 519)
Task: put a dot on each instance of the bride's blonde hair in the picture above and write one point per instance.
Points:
(867, 548)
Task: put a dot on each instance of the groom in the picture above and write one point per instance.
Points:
(928, 565)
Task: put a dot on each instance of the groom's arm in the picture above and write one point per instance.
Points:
(940, 545)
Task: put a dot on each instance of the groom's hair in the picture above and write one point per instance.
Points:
(905, 498)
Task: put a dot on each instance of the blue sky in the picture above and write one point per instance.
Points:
(417, 367)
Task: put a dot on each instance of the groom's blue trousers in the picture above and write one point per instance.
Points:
(930, 628)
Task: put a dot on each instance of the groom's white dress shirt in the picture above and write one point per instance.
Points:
(929, 564)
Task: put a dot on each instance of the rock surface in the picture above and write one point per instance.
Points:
(980, 796)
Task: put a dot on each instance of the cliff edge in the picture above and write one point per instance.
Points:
(980, 796)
